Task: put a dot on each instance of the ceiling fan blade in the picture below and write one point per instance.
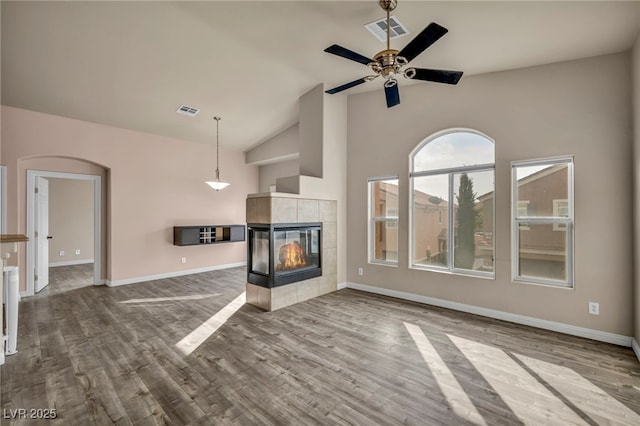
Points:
(392, 94)
(426, 38)
(438, 76)
(347, 86)
(348, 54)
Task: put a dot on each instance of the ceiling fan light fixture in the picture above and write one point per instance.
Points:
(217, 184)
(409, 73)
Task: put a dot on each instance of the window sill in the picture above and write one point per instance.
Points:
(484, 276)
(563, 286)
(379, 263)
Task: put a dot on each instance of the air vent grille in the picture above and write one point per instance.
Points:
(379, 29)
(187, 110)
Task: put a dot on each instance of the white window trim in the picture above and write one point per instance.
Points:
(450, 171)
(371, 259)
(568, 222)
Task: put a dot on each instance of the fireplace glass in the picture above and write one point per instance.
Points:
(260, 252)
(296, 249)
(281, 254)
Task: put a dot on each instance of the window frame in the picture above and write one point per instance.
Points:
(373, 219)
(450, 172)
(558, 223)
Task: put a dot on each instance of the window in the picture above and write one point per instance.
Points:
(543, 254)
(452, 203)
(560, 209)
(383, 220)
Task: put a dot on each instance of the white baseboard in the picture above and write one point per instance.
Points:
(125, 281)
(70, 262)
(636, 347)
(601, 336)
(342, 285)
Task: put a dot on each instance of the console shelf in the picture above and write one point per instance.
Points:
(207, 234)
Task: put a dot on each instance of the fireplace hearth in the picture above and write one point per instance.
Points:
(280, 254)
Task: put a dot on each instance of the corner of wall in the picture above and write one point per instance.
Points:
(635, 76)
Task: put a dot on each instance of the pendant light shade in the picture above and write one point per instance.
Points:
(217, 184)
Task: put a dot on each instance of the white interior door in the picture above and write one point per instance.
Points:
(42, 234)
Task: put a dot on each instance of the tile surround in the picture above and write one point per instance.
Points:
(270, 208)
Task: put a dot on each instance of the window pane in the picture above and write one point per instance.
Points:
(385, 198)
(431, 220)
(385, 245)
(542, 252)
(539, 186)
(454, 150)
(473, 225)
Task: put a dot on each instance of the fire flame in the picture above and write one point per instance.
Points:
(291, 256)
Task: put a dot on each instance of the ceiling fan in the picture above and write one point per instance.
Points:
(389, 63)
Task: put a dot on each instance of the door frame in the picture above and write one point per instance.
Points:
(97, 222)
(3, 199)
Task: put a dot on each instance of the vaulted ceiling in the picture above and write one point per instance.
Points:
(131, 64)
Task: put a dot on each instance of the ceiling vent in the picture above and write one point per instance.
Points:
(187, 110)
(379, 29)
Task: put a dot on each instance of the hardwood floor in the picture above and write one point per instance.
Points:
(108, 356)
(66, 278)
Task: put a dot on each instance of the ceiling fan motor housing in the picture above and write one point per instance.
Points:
(387, 63)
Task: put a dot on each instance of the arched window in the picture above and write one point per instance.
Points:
(452, 203)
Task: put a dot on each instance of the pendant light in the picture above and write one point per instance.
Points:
(217, 184)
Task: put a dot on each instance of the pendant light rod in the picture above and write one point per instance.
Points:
(217, 147)
(388, 32)
(217, 184)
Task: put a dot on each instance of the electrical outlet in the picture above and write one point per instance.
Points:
(183, 260)
(594, 308)
(77, 251)
(360, 271)
(61, 253)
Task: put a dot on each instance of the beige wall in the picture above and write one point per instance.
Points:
(155, 183)
(312, 120)
(636, 160)
(579, 108)
(270, 172)
(283, 146)
(70, 220)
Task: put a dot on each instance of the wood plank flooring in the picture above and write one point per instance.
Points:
(66, 278)
(103, 356)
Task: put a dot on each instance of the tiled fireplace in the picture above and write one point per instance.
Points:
(292, 250)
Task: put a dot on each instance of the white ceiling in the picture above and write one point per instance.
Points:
(131, 64)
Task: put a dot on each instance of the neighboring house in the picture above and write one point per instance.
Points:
(541, 194)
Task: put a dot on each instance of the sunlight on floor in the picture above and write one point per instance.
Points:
(456, 396)
(171, 299)
(537, 392)
(529, 400)
(194, 339)
(589, 398)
